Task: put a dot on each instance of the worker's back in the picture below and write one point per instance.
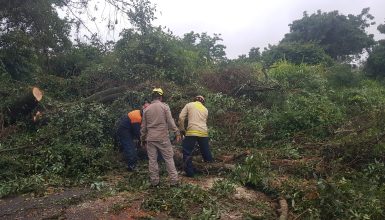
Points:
(196, 114)
(156, 121)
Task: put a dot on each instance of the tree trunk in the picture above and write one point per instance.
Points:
(203, 167)
(23, 105)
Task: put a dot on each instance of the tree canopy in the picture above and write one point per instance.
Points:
(339, 35)
(375, 64)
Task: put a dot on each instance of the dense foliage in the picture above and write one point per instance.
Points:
(375, 64)
(337, 34)
(297, 53)
(313, 128)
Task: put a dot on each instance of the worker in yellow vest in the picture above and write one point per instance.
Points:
(129, 129)
(196, 114)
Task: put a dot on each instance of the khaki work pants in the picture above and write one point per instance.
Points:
(165, 148)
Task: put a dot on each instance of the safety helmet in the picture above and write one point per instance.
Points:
(158, 91)
(200, 98)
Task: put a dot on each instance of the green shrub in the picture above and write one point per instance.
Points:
(363, 143)
(229, 78)
(310, 113)
(33, 183)
(363, 99)
(344, 198)
(10, 168)
(76, 59)
(88, 124)
(74, 161)
(223, 188)
(294, 78)
(298, 53)
(256, 171)
(251, 127)
(74, 146)
(340, 76)
(59, 88)
(184, 202)
(221, 126)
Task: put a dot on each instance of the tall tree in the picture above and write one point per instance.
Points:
(32, 33)
(30, 30)
(339, 35)
(375, 64)
(143, 55)
(254, 54)
(208, 47)
(38, 19)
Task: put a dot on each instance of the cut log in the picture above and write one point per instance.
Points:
(24, 104)
(203, 167)
(214, 167)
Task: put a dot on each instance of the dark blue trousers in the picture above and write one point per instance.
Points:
(188, 148)
(125, 139)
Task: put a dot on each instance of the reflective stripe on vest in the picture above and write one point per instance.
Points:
(196, 133)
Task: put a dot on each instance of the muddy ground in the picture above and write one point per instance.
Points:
(86, 203)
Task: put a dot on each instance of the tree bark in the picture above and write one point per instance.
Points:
(23, 105)
(207, 168)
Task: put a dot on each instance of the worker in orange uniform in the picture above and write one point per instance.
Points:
(128, 130)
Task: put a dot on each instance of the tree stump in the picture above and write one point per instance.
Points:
(23, 105)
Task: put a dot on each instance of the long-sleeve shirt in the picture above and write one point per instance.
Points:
(157, 121)
(196, 114)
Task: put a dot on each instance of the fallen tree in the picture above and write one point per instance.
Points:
(208, 168)
(107, 95)
(22, 105)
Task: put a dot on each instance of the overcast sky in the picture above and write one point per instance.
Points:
(244, 24)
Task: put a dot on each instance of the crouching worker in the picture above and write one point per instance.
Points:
(128, 130)
(196, 114)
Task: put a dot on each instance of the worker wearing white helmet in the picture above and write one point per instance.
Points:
(196, 114)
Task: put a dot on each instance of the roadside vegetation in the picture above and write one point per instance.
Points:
(298, 121)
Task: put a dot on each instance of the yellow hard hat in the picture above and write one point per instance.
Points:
(158, 91)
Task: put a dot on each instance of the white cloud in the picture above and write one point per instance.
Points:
(250, 23)
(243, 24)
